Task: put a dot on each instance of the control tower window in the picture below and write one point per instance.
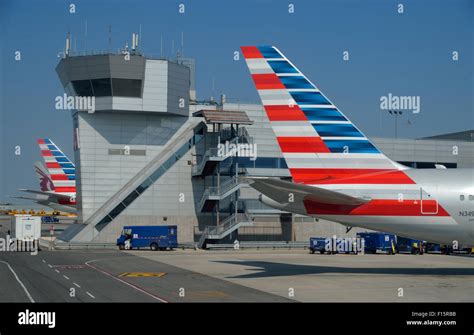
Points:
(127, 87)
(83, 88)
(102, 87)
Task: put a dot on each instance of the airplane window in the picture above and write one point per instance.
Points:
(471, 197)
(461, 197)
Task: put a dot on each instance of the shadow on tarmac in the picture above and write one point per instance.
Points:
(272, 269)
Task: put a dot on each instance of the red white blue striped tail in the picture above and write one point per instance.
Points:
(61, 170)
(319, 143)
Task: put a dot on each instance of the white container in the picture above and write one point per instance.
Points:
(27, 228)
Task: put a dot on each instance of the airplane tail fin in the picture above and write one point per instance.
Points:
(45, 182)
(319, 143)
(61, 170)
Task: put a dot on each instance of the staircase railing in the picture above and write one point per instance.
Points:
(214, 152)
(225, 187)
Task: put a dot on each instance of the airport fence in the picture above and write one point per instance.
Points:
(97, 245)
(85, 245)
(261, 245)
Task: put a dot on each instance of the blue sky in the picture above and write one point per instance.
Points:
(402, 54)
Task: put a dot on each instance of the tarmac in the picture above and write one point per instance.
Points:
(305, 277)
(231, 276)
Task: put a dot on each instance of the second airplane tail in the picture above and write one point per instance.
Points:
(61, 170)
(45, 182)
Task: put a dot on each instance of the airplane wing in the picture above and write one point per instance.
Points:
(53, 205)
(279, 190)
(48, 194)
(22, 197)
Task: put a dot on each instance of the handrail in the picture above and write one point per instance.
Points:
(120, 52)
(203, 237)
(214, 152)
(226, 225)
(263, 244)
(225, 187)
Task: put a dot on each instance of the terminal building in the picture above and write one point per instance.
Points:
(151, 154)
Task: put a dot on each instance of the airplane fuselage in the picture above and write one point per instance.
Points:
(438, 207)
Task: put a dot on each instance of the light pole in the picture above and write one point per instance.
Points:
(396, 114)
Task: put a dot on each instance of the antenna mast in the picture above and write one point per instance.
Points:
(110, 38)
(68, 44)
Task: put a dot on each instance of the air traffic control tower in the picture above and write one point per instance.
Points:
(133, 151)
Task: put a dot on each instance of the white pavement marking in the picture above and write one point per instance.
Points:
(77, 285)
(50, 265)
(43, 261)
(122, 281)
(90, 295)
(19, 282)
(66, 277)
(56, 270)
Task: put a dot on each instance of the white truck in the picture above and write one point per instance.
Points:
(27, 228)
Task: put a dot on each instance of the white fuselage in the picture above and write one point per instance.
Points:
(436, 212)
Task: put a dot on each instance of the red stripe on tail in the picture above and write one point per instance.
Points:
(59, 177)
(267, 81)
(285, 113)
(251, 52)
(53, 165)
(349, 176)
(65, 189)
(302, 144)
(382, 207)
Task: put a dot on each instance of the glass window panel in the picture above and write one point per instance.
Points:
(104, 222)
(143, 186)
(127, 87)
(117, 210)
(157, 174)
(130, 198)
(102, 87)
(83, 88)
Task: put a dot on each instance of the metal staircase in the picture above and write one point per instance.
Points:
(212, 156)
(215, 193)
(229, 225)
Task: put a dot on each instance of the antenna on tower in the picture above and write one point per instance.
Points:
(110, 38)
(182, 44)
(172, 47)
(212, 97)
(139, 40)
(161, 46)
(68, 44)
(85, 37)
(134, 42)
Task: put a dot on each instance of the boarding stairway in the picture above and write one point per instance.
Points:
(176, 148)
(213, 194)
(212, 156)
(229, 225)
